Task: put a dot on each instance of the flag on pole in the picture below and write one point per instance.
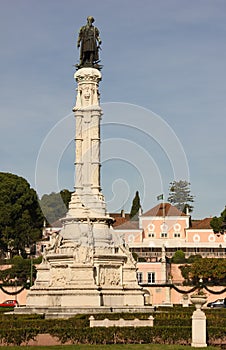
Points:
(160, 197)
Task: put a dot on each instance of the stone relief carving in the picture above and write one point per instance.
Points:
(60, 276)
(109, 276)
(84, 254)
(88, 95)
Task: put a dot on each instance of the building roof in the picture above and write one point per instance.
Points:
(128, 225)
(164, 209)
(119, 219)
(201, 224)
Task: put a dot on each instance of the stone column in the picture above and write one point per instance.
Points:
(78, 153)
(88, 114)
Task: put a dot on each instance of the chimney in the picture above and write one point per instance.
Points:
(123, 213)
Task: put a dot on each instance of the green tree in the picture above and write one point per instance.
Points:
(180, 195)
(134, 212)
(20, 269)
(178, 257)
(211, 270)
(21, 218)
(186, 273)
(218, 224)
(194, 257)
(55, 205)
(66, 196)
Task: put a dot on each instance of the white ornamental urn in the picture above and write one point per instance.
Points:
(198, 299)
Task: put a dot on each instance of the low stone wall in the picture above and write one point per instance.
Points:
(121, 322)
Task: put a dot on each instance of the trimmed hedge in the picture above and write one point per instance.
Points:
(170, 327)
(125, 335)
(16, 336)
(114, 335)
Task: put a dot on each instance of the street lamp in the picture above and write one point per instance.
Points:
(31, 276)
(16, 279)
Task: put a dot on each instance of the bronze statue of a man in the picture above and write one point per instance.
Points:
(90, 41)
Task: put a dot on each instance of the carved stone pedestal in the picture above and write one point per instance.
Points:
(85, 278)
(198, 322)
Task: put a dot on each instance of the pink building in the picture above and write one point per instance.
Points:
(156, 236)
(164, 226)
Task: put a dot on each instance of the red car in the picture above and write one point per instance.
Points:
(9, 303)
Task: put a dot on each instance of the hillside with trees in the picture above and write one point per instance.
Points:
(55, 205)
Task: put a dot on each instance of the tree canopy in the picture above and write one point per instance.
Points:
(178, 257)
(211, 270)
(55, 205)
(21, 218)
(218, 224)
(180, 195)
(21, 269)
(134, 212)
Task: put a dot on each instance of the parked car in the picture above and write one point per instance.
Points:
(218, 303)
(9, 303)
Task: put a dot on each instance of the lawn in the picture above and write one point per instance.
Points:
(107, 347)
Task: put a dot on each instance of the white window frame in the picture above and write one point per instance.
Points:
(151, 277)
(140, 277)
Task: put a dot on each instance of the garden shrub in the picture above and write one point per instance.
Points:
(171, 326)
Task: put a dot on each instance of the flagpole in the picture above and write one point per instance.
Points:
(161, 197)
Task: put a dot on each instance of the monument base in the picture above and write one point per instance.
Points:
(67, 312)
(84, 280)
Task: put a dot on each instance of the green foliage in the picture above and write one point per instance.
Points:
(21, 218)
(180, 195)
(55, 205)
(218, 224)
(186, 274)
(194, 257)
(17, 336)
(134, 212)
(178, 257)
(21, 269)
(170, 327)
(211, 270)
(125, 335)
(66, 197)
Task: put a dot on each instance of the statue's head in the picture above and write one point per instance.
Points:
(90, 19)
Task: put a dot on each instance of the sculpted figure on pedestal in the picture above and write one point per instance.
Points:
(53, 246)
(90, 41)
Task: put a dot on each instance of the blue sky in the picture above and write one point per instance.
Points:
(165, 56)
